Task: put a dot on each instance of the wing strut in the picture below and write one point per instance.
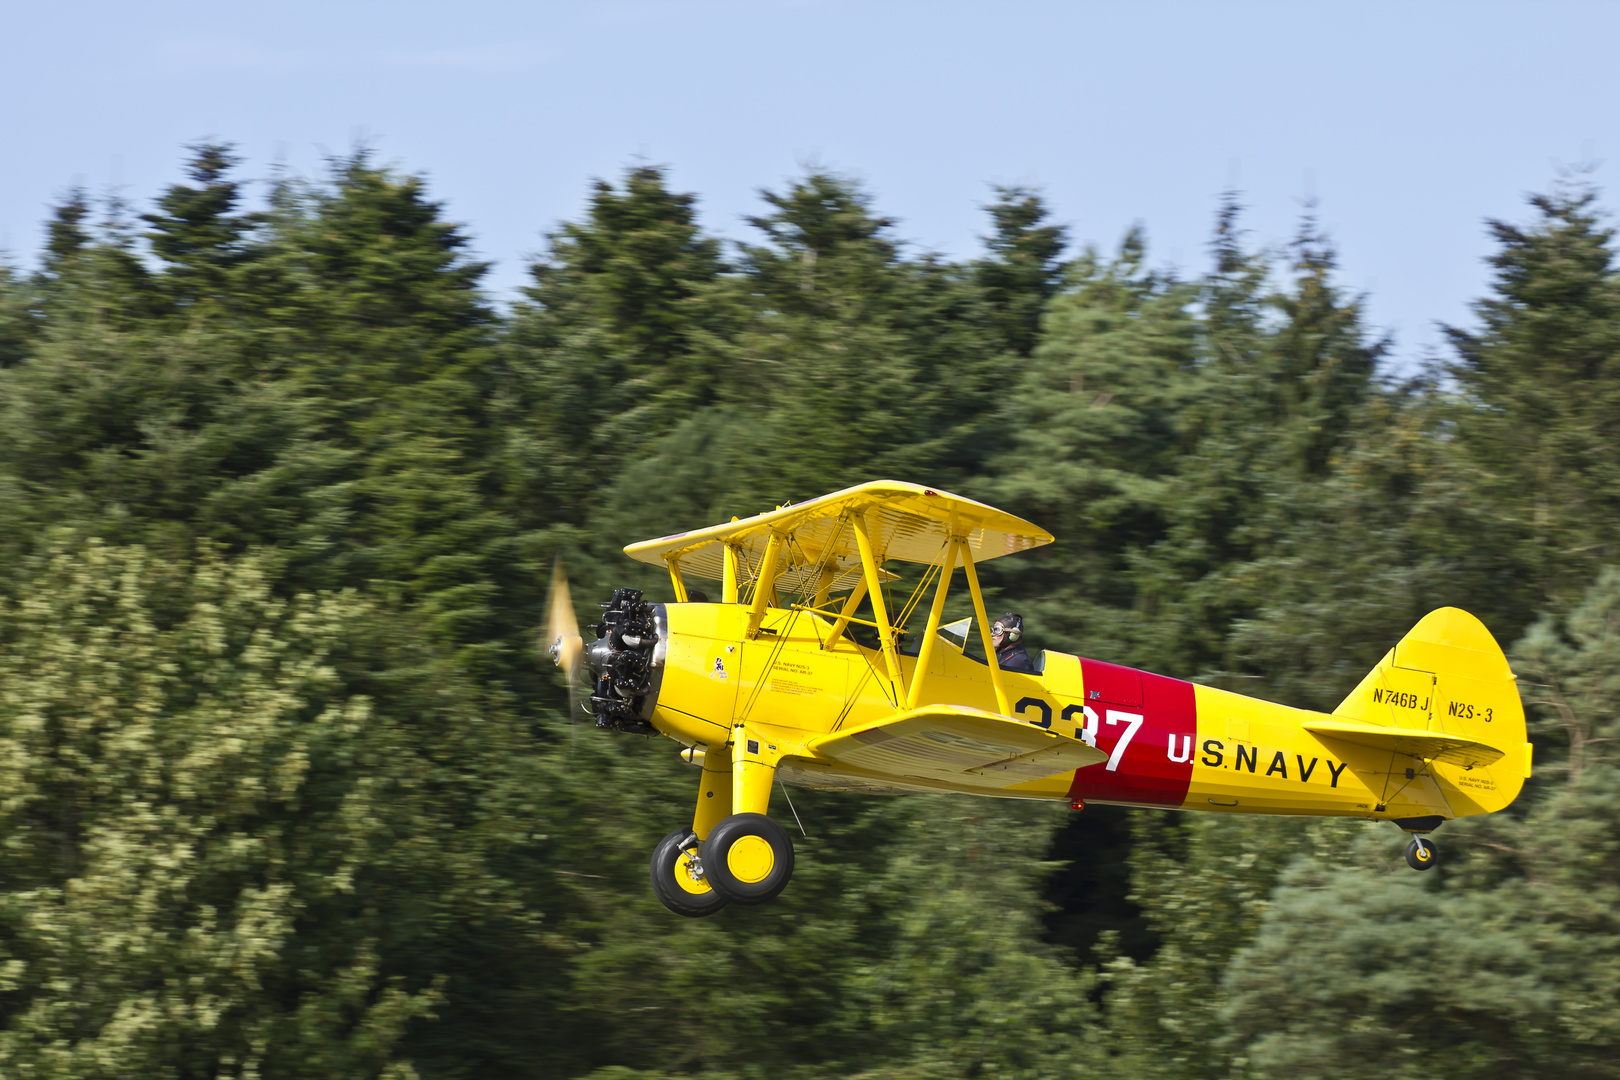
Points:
(926, 653)
(729, 575)
(874, 589)
(765, 584)
(984, 631)
(856, 595)
(824, 586)
(675, 578)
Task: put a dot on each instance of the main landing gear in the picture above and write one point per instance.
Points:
(733, 853)
(750, 858)
(678, 879)
(747, 860)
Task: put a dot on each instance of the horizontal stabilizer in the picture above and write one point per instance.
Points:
(957, 746)
(1430, 745)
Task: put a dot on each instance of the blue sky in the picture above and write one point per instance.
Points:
(1410, 123)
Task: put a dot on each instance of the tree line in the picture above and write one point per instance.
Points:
(286, 788)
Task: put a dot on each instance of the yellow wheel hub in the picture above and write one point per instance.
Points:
(686, 876)
(751, 859)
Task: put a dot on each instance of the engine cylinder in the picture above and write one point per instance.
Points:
(622, 659)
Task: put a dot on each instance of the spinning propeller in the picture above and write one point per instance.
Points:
(562, 630)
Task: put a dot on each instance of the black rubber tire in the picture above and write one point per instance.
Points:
(1421, 855)
(666, 859)
(718, 863)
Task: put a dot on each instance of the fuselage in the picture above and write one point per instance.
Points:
(1170, 743)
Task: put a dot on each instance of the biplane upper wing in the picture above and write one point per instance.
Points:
(958, 746)
(905, 521)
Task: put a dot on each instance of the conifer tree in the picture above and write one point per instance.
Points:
(1092, 430)
(1024, 267)
(895, 355)
(18, 324)
(1541, 385)
(1283, 374)
(67, 234)
(614, 346)
(91, 270)
(197, 232)
(636, 269)
(137, 426)
(338, 415)
(394, 348)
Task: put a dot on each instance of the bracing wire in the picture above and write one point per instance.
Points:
(929, 575)
(789, 799)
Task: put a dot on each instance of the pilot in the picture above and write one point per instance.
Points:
(1007, 636)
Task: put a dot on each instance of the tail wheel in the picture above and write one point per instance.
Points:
(678, 879)
(748, 858)
(1420, 854)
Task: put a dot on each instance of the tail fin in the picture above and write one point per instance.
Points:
(1448, 677)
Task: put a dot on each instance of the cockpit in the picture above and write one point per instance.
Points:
(960, 638)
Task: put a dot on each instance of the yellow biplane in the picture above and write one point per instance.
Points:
(772, 684)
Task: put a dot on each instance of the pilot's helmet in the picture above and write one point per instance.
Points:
(1010, 624)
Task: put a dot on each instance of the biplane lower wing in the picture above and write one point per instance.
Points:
(955, 747)
(1433, 745)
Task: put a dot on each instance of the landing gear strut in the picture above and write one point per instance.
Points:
(1420, 854)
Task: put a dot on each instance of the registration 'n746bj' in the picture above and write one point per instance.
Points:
(805, 671)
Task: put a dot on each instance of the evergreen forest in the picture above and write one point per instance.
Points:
(289, 789)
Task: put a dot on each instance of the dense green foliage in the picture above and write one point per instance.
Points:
(287, 790)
